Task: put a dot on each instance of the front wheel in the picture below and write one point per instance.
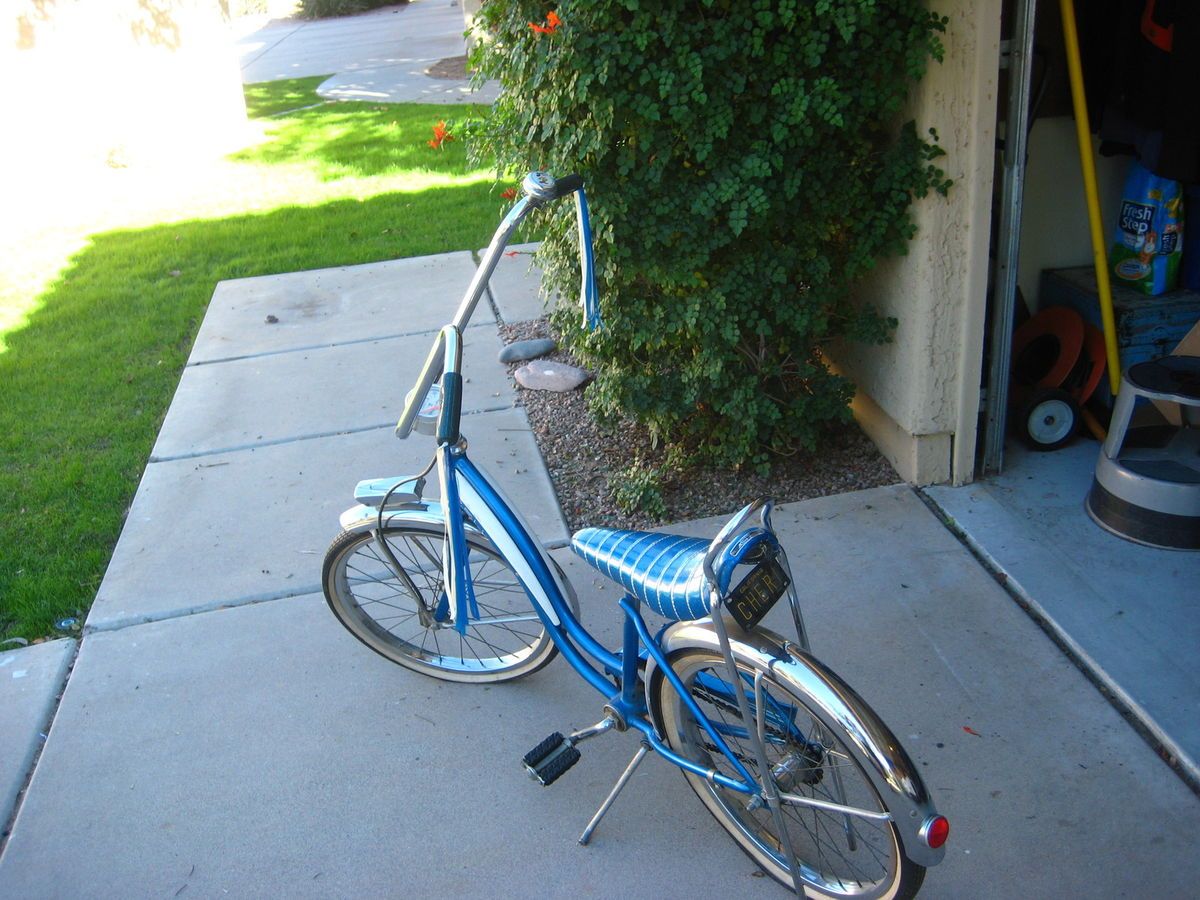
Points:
(838, 855)
(402, 613)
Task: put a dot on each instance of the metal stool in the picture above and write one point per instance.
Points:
(1147, 484)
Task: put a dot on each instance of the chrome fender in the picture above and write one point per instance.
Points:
(365, 518)
(873, 744)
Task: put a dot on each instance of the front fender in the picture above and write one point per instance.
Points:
(428, 512)
(875, 747)
(365, 518)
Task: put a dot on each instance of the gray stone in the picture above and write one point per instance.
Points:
(518, 351)
(30, 679)
(380, 56)
(262, 751)
(898, 608)
(550, 376)
(207, 742)
(1128, 610)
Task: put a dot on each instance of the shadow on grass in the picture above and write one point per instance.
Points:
(270, 98)
(363, 139)
(85, 383)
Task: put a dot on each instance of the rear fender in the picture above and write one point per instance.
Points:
(876, 748)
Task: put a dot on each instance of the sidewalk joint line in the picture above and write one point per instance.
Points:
(201, 609)
(304, 590)
(265, 50)
(294, 439)
(325, 346)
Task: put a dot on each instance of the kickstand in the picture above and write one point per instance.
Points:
(642, 750)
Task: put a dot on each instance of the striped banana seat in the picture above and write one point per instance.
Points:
(664, 571)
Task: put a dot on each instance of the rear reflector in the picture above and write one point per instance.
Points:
(935, 831)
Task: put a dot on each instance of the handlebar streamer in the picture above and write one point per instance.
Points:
(589, 297)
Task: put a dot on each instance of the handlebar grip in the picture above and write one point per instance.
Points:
(448, 423)
(568, 184)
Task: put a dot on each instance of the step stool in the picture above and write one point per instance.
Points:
(1147, 483)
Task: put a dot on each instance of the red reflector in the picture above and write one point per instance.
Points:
(936, 831)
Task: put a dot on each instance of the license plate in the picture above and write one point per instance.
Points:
(758, 592)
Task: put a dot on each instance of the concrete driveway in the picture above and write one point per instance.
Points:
(381, 56)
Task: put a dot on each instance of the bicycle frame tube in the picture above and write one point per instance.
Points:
(455, 571)
(503, 526)
(539, 190)
(656, 652)
(490, 259)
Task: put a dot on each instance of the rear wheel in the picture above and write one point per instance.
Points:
(838, 855)
(381, 606)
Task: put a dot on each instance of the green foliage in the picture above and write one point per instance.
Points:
(325, 9)
(745, 168)
(637, 489)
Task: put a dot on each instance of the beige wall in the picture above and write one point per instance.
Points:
(118, 80)
(1054, 224)
(919, 395)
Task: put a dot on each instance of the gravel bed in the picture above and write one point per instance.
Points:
(582, 458)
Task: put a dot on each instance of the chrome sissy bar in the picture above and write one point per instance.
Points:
(770, 793)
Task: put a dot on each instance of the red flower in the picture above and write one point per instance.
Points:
(509, 194)
(441, 134)
(551, 26)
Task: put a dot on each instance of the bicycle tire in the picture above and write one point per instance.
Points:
(874, 869)
(379, 606)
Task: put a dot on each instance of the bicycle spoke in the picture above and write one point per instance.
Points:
(802, 751)
(391, 606)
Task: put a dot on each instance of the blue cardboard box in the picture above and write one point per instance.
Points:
(1147, 327)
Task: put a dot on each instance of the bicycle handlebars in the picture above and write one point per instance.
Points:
(546, 188)
(540, 189)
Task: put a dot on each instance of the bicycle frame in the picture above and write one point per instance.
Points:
(615, 674)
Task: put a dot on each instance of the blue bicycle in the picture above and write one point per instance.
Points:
(803, 775)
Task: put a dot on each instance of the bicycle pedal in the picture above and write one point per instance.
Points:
(546, 762)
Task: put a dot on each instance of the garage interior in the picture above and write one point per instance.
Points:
(1125, 611)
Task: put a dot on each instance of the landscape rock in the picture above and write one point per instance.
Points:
(518, 351)
(550, 376)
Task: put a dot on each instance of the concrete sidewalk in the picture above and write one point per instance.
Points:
(221, 734)
(382, 55)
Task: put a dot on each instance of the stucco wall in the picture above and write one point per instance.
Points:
(118, 80)
(920, 394)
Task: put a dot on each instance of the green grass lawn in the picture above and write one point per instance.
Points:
(99, 306)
